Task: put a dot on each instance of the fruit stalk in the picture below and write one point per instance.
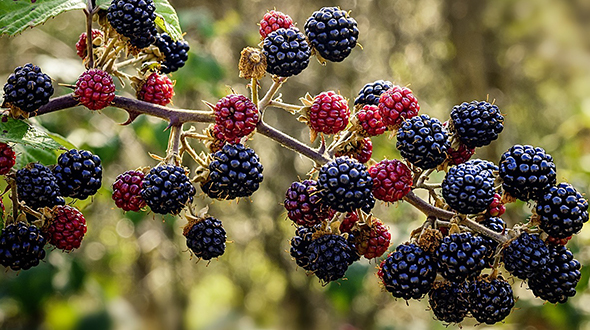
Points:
(89, 11)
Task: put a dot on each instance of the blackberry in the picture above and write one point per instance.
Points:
(167, 189)
(78, 173)
(303, 203)
(371, 241)
(27, 88)
(81, 48)
(423, 141)
(274, 20)
(21, 246)
(371, 92)
(236, 116)
(408, 272)
(557, 281)
(449, 301)
(461, 256)
(477, 123)
(95, 89)
(345, 185)
(496, 207)
(66, 229)
(460, 154)
(527, 172)
(490, 300)
(175, 53)
(562, 210)
(332, 33)
(300, 246)
(127, 191)
(329, 113)
(38, 187)
(134, 19)
(7, 158)
(361, 150)
(499, 226)
(287, 52)
(483, 164)
(468, 188)
(526, 255)
(234, 172)
(205, 237)
(368, 122)
(348, 222)
(156, 88)
(392, 180)
(396, 105)
(329, 257)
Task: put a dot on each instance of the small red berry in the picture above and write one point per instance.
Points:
(496, 208)
(392, 180)
(236, 115)
(348, 222)
(370, 121)
(66, 229)
(373, 241)
(81, 48)
(7, 158)
(127, 191)
(329, 113)
(396, 104)
(361, 150)
(157, 89)
(95, 89)
(274, 20)
(460, 155)
(558, 241)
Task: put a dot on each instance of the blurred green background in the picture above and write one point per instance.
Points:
(133, 270)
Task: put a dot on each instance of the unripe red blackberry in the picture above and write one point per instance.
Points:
(127, 191)
(287, 52)
(449, 301)
(27, 88)
(78, 173)
(329, 257)
(329, 113)
(66, 228)
(218, 139)
(361, 150)
(392, 180)
(157, 89)
(21, 246)
(368, 121)
(562, 210)
(371, 92)
(236, 116)
(348, 222)
(396, 105)
(527, 172)
(332, 33)
(166, 189)
(205, 237)
(461, 256)
(491, 300)
(235, 172)
(408, 272)
(477, 123)
(134, 19)
(175, 52)
(526, 256)
(303, 203)
(373, 240)
(460, 154)
(38, 187)
(557, 281)
(422, 141)
(95, 89)
(81, 45)
(274, 20)
(468, 188)
(496, 207)
(345, 185)
(7, 158)
(557, 241)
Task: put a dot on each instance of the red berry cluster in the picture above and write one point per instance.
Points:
(396, 104)
(157, 89)
(329, 113)
(127, 191)
(236, 116)
(370, 121)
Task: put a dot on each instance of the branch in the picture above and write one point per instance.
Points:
(276, 84)
(426, 208)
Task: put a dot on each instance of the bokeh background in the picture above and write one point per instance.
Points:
(133, 270)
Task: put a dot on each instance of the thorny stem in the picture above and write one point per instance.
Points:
(423, 177)
(292, 108)
(476, 227)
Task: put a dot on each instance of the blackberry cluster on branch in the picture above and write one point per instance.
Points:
(287, 52)
(477, 123)
(78, 173)
(175, 52)
(562, 210)
(469, 188)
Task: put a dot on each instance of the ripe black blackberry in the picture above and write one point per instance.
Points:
(175, 52)
(371, 92)
(329, 257)
(526, 256)
(461, 256)
(21, 246)
(449, 301)
(300, 246)
(477, 123)
(423, 141)
(205, 237)
(345, 185)
(134, 19)
(562, 210)
(27, 88)
(287, 52)
(468, 188)
(235, 172)
(332, 33)
(527, 172)
(78, 173)
(499, 226)
(557, 281)
(167, 189)
(490, 300)
(483, 164)
(38, 187)
(408, 272)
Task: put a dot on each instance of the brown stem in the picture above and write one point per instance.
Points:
(476, 227)
(426, 208)
(89, 12)
(276, 84)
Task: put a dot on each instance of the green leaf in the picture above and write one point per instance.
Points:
(16, 16)
(171, 24)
